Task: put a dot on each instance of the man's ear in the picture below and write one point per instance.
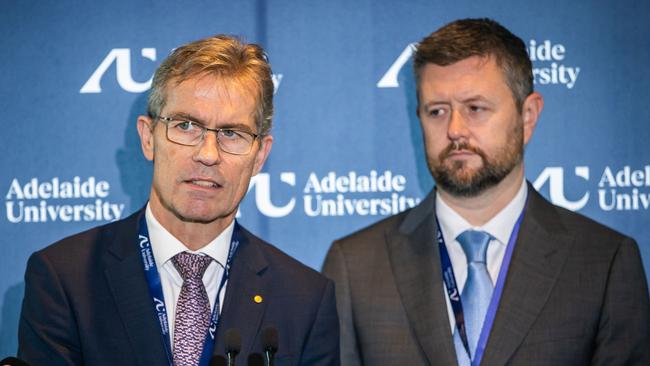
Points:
(260, 157)
(145, 130)
(533, 105)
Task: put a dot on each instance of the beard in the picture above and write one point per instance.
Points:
(457, 179)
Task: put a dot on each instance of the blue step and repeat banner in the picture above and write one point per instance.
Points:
(75, 75)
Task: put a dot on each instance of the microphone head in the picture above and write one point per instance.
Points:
(232, 339)
(270, 339)
(13, 361)
(218, 361)
(255, 359)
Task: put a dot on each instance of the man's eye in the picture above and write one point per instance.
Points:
(437, 112)
(231, 134)
(476, 108)
(186, 126)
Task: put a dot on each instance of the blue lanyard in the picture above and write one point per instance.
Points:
(155, 289)
(454, 294)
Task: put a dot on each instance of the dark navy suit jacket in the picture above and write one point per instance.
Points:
(87, 303)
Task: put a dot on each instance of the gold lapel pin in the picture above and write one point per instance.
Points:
(258, 299)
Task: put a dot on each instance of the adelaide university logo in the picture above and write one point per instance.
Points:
(334, 194)
(548, 59)
(121, 58)
(555, 178)
(39, 200)
(618, 188)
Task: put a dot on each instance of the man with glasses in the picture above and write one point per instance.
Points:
(485, 270)
(179, 281)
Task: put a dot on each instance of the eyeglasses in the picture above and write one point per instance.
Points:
(189, 133)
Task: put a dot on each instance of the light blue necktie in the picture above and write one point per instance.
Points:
(477, 292)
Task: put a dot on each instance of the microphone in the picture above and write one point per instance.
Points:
(218, 361)
(232, 339)
(256, 359)
(270, 344)
(13, 361)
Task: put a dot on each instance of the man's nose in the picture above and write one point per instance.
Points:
(208, 152)
(457, 128)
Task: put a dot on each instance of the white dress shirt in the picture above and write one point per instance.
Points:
(500, 227)
(165, 246)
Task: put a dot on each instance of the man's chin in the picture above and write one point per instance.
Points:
(464, 184)
(193, 216)
(460, 190)
(197, 219)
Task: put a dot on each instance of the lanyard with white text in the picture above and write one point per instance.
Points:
(155, 289)
(454, 294)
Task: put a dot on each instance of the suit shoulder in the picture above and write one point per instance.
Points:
(588, 236)
(559, 219)
(287, 266)
(372, 234)
(584, 227)
(84, 244)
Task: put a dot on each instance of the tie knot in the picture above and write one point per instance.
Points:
(191, 266)
(474, 244)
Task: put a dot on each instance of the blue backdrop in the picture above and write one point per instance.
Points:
(75, 75)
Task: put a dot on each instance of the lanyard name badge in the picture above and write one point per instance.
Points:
(453, 292)
(155, 289)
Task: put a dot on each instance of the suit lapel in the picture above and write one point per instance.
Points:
(126, 280)
(247, 280)
(537, 260)
(415, 262)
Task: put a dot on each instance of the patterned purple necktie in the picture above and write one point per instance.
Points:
(192, 310)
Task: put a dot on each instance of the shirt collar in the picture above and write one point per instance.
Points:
(500, 226)
(165, 246)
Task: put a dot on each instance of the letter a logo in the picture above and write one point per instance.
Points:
(262, 184)
(555, 176)
(122, 59)
(389, 80)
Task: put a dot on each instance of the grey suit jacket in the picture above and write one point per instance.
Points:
(575, 294)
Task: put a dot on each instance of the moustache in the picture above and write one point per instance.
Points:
(460, 146)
